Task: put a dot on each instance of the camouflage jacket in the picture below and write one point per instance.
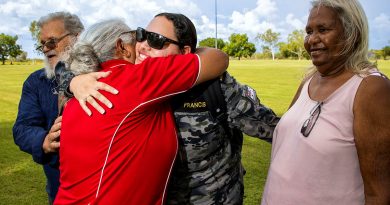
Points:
(208, 167)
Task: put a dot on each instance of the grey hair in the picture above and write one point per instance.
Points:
(355, 25)
(72, 22)
(96, 45)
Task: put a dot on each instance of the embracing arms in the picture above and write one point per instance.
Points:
(213, 63)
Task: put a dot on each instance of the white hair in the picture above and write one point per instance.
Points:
(355, 27)
(96, 45)
(72, 25)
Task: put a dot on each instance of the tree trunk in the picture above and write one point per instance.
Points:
(3, 61)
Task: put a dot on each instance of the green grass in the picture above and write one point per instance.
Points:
(22, 181)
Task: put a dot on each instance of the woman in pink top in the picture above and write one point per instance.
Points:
(333, 145)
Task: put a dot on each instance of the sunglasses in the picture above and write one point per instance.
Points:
(155, 40)
(308, 125)
(51, 43)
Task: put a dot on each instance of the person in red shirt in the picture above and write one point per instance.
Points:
(125, 156)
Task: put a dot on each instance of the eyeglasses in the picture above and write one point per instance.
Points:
(308, 125)
(155, 40)
(51, 43)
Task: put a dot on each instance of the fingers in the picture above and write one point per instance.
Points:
(83, 104)
(55, 146)
(97, 96)
(99, 75)
(51, 142)
(55, 136)
(93, 103)
(86, 89)
(58, 119)
(57, 124)
(106, 87)
(55, 143)
(100, 97)
(96, 105)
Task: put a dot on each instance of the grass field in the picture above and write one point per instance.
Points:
(22, 181)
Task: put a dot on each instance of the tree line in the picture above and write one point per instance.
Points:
(237, 46)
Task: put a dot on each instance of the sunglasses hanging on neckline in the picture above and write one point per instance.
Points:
(308, 125)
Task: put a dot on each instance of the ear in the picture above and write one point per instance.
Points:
(125, 51)
(186, 50)
(119, 49)
(119, 46)
(129, 51)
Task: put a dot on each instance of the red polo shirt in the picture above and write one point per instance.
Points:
(125, 156)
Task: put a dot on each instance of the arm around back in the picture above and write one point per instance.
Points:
(213, 63)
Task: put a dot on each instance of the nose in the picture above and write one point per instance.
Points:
(313, 38)
(45, 49)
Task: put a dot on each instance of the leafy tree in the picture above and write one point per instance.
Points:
(35, 31)
(210, 42)
(295, 43)
(239, 46)
(284, 50)
(270, 39)
(267, 52)
(22, 56)
(386, 52)
(377, 54)
(8, 47)
(15, 51)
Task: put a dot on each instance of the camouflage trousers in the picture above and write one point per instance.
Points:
(226, 190)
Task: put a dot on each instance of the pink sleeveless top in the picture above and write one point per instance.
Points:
(322, 168)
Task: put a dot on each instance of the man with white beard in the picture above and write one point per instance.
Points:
(37, 127)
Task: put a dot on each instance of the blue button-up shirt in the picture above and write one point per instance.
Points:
(37, 112)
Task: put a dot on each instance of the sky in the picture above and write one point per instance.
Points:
(233, 16)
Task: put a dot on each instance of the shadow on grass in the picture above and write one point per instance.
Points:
(22, 180)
